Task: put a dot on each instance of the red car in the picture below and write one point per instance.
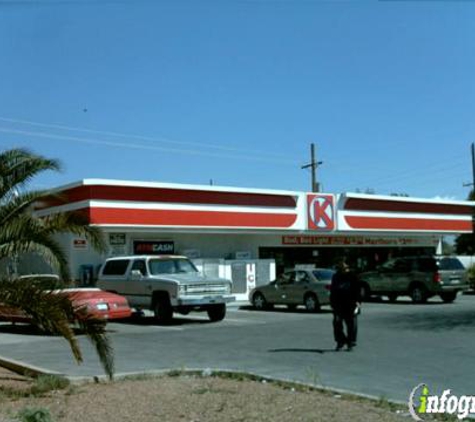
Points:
(98, 303)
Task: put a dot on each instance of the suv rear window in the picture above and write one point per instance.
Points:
(450, 264)
(116, 267)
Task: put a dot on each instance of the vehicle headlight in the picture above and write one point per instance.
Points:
(228, 288)
(182, 289)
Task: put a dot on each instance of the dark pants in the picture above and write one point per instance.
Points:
(350, 320)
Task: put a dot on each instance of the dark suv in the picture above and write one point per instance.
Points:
(419, 277)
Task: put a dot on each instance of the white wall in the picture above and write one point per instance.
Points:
(206, 245)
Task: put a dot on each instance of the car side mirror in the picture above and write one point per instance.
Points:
(136, 274)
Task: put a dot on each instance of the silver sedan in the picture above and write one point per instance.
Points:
(310, 288)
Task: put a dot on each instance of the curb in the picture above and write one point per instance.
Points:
(243, 375)
(30, 370)
(24, 369)
(230, 373)
(35, 371)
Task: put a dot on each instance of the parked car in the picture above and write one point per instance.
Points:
(310, 288)
(164, 284)
(419, 277)
(98, 304)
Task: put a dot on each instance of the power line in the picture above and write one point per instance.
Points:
(140, 137)
(413, 173)
(248, 157)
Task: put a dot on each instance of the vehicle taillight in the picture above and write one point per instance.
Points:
(328, 287)
(437, 278)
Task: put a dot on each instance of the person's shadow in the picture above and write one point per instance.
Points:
(319, 351)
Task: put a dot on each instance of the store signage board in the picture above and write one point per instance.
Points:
(80, 244)
(117, 239)
(356, 241)
(154, 247)
(321, 212)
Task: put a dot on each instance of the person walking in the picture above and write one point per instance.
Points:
(345, 301)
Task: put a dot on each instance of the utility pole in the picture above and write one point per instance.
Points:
(313, 166)
(473, 191)
(473, 165)
(471, 197)
(473, 168)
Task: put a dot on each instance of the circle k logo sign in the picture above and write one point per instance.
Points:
(321, 212)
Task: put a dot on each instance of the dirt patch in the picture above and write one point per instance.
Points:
(11, 381)
(187, 398)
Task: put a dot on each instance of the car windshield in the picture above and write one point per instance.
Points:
(171, 266)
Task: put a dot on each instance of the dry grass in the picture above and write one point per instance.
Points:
(190, 398)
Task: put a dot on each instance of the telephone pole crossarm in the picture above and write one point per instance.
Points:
(313, 166)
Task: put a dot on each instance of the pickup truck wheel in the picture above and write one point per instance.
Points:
(162, 310)
(216, 312)
(448, 297)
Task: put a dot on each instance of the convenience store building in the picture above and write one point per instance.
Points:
(216, 224)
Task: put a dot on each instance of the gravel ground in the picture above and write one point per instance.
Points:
(187, 398)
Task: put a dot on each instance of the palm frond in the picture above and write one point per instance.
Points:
(51, 312)
(19, 166)
(28, 234)
(76, 223)
(55, 313)
(95, 331)
(14, 205)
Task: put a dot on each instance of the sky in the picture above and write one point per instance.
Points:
(233, 92)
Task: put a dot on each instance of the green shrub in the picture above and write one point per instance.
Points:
(31, 414)
(45, 383)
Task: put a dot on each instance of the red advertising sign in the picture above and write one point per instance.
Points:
(80, 244)
(302, 240)
(153, 247)
(321, 212)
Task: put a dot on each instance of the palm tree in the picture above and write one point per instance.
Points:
(22, 231)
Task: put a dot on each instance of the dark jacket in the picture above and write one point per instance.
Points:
(345, 291)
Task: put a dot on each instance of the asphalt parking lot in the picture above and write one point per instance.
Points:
(400, 345)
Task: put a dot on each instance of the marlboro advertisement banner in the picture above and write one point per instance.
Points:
(357, 241)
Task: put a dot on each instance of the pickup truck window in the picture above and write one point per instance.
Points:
(140, 266)
(116, 267)
(171, 266)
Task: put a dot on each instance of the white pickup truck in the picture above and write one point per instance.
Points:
(164, 284)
